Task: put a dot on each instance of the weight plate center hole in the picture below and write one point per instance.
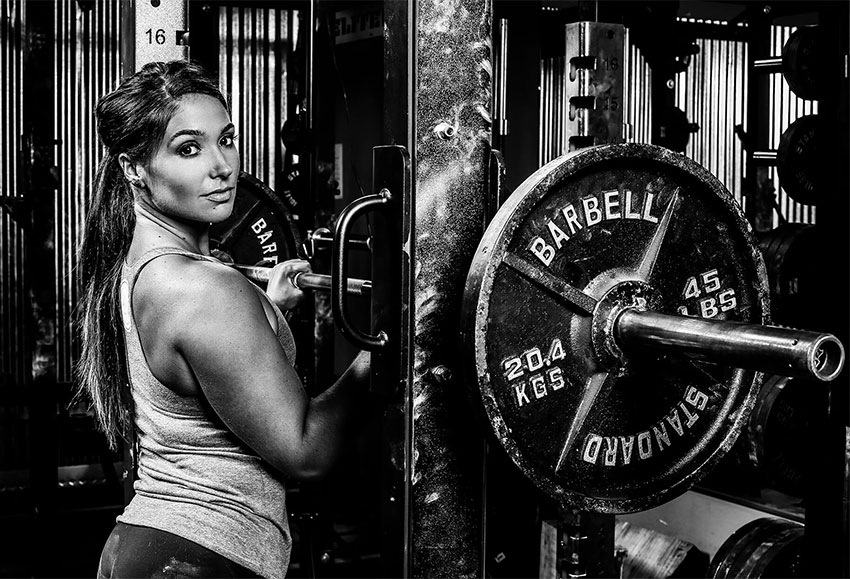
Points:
(624, 295)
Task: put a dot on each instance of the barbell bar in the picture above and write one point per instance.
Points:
(789, 352)
(305, 280)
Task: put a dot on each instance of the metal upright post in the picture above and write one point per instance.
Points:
(827, 545)
(452, 87)
(40, 269)
(442, 116)
(758, 193)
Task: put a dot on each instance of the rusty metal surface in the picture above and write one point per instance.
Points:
(452, 147)
(555, 403)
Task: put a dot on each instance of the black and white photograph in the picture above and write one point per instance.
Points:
(424, 289)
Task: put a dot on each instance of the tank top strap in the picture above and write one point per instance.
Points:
(132, 270)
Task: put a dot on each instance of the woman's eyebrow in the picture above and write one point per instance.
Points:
(193, 132)
(197, 133)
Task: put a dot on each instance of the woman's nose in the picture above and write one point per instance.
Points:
(222, 166)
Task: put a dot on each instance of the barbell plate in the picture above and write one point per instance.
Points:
(797, 162)
(764, 547)
(790, 253)
(626, 437)
(799, 62)
(775, 442)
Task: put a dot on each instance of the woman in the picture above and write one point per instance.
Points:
(187, 353)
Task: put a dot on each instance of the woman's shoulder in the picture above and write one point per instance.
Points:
(179, 281)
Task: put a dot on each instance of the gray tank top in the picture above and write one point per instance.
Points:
(196, 478)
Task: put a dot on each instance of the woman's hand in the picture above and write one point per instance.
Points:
(280, 289)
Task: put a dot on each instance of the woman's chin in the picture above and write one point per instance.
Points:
(221, 212)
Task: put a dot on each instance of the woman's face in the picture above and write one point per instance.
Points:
(192, 176)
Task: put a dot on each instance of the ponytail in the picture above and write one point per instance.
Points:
(102, 369)
(131, 120)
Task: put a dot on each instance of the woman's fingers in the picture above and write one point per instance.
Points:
(281, 288)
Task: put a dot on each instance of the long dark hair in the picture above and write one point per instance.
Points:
(131, 120)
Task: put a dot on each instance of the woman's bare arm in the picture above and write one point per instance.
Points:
(219, 327)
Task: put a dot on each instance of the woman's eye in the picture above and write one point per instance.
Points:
(188, 150)
(228, 140)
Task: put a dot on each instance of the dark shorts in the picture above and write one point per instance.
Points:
(134, 552)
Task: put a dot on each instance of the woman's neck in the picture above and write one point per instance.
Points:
(163, 231)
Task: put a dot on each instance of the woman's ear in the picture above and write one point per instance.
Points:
(133, 172)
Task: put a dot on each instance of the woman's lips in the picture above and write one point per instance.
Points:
(220, 195)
